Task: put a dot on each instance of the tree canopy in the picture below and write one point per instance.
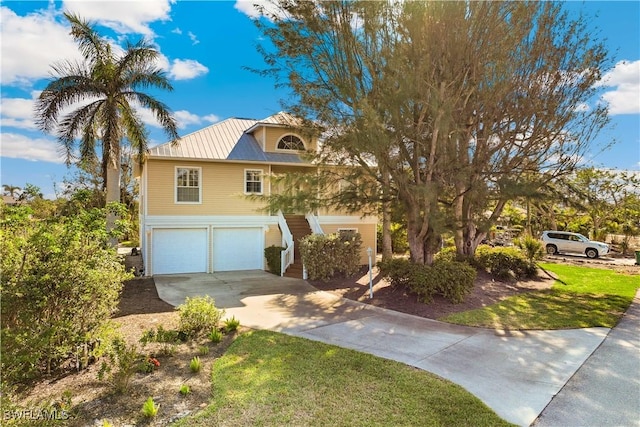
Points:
(92, 106)
(450, 108)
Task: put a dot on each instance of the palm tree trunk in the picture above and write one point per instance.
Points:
(113, 195)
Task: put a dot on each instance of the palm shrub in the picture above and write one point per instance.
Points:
(531, 247)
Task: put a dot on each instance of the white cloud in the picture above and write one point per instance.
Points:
(211, 118)
(124, 17)
(36, 149)
(18, 112)
(183, 117)
(185, 69)
(30, 44)
(250, 8)
(625, 78)
(193, 37)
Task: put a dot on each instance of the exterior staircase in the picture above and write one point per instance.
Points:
(299, 228)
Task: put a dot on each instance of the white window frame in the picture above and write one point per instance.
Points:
(261, 175)
(289, 150)
(175, 186)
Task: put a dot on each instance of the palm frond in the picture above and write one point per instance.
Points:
(134, 128)
(160, 111)
(92, 47)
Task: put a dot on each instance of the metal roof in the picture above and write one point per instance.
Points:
(228, 140)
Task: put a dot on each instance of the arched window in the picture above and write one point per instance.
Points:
(290, 142)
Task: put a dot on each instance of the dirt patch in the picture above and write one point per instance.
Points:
(90, 401)
(486, 291)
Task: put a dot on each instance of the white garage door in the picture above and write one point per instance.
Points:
(179, 250)
(238, 249)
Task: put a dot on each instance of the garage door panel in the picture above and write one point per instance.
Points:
(238, 249)
(177, 250)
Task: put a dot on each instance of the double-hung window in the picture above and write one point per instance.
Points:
(253, 181)
(188, 185)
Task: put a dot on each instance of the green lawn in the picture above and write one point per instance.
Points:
(269, 379)
(583, 297)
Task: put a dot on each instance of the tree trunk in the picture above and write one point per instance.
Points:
(113, 195)
(387, 247)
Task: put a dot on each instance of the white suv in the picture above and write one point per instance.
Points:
(564, 241)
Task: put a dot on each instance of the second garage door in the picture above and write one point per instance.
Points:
(238, 249)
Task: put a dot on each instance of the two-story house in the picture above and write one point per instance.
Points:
(195, 215)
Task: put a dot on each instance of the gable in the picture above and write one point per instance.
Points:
(238, 140)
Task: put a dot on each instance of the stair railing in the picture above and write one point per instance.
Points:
(314, 224)
(287, 254)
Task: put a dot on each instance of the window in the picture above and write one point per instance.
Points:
(290, 142)
(187, 185)
(253, 181)
(347, 233)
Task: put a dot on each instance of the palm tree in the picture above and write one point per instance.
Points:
(102, 94)
(11, 190)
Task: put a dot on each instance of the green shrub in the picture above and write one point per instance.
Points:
(504, 262)
(273, 255)
(454, 280)
(197, 315)
(159, 335)
(149, 408)
(185, 389)
(195, 365)
(396, 270)
(122, 361)
(421, 282)
(451, 279)
(215, 336)
(449, 253)
(231, 325)
(59, 286)
(327, 255)
(531, 247)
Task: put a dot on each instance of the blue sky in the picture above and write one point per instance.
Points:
(205, 46)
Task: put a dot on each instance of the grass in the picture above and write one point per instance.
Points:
(582, 298)
(266, 378)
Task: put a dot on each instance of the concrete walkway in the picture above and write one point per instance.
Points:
(605, 391)
(516, 374)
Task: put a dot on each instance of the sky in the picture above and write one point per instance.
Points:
(205, 49)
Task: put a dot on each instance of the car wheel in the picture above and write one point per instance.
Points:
(552, 250)
(591, 253)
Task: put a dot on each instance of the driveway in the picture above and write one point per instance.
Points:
(515, 373)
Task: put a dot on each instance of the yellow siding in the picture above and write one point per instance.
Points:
(222, 189)
(273, 236)
(273, 135)
(367, 231)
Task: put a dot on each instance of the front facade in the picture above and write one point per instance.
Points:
(196, 209)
